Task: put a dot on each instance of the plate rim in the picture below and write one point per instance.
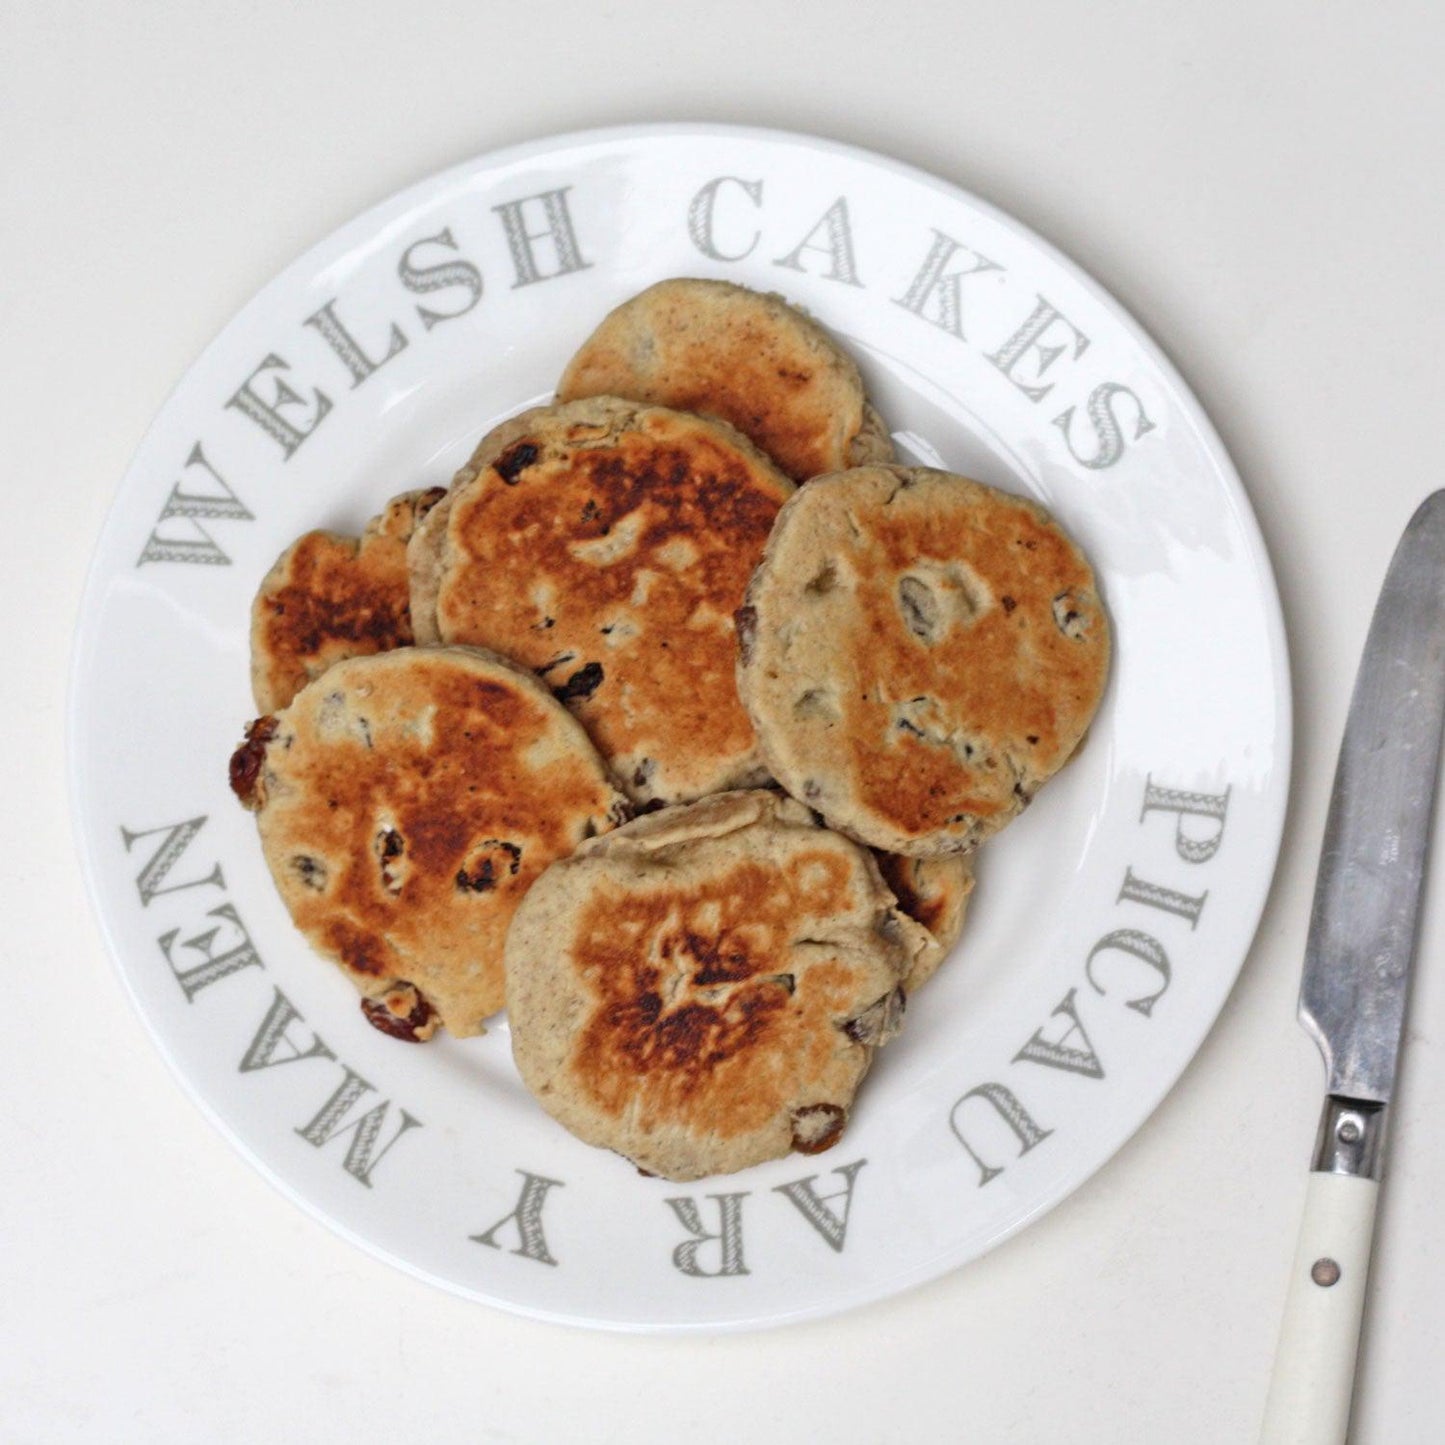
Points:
(1277, 795)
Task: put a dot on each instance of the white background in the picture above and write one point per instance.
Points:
(1260, 183)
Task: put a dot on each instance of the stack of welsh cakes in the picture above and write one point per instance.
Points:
(672, 727)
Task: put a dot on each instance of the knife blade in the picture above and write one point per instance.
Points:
(1362, 932)
(1356, 975)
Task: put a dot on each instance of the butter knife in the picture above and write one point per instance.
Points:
(1357, 973)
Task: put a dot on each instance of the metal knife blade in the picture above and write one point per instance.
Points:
(1362, 930)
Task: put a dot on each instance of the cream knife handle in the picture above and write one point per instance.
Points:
(1314, 1367)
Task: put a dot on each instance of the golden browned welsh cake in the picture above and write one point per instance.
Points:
(704, 988)
(406, 801)
(934, 892)
(607, 545)
(329, 597)
(745, 356)
(919, 653)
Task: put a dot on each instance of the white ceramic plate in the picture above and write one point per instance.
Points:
(1109, 922)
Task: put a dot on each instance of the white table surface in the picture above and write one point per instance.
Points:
(1260, 183)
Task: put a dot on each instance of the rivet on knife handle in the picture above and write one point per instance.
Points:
(1351, 1138)
(1314, 1367)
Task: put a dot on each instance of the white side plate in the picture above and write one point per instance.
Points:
(1109, 922)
